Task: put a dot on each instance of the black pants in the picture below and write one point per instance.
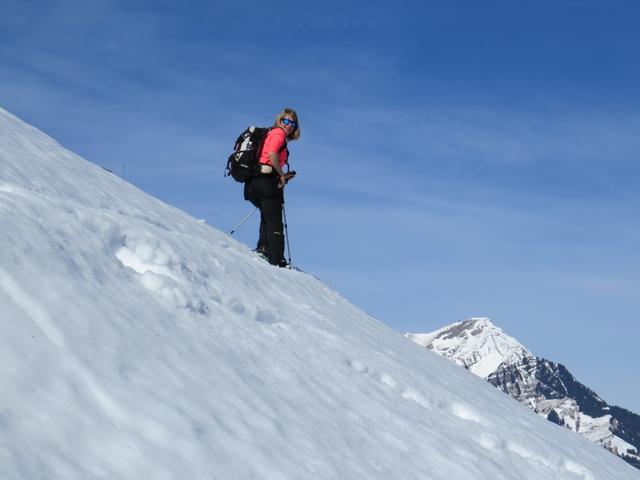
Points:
(263, 192)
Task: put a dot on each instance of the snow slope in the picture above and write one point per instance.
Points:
(140, 343)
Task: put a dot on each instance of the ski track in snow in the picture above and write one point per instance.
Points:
(31, 307)
(487, 439)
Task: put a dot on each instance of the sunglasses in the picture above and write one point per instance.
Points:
(286, 122)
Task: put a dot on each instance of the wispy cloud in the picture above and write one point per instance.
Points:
(479, 155)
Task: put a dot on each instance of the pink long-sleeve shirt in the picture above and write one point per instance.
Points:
(273, 143)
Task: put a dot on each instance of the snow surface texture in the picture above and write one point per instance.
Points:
(484, 349)
(139, 343)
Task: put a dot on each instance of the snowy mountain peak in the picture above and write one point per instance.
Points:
(546, 387)
(137, 342)
(476, 344)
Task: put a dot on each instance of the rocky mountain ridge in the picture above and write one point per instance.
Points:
(546, 387)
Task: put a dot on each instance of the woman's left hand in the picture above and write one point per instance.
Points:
(284, 179)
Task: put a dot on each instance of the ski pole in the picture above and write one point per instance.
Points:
(243, 220)
(286, 233)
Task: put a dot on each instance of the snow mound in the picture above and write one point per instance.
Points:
(139, 343)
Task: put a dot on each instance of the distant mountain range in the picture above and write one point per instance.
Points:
(546, 387)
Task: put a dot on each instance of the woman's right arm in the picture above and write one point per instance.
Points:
(275, 163)
(273, 143)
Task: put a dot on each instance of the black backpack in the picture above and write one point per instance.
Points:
(243, 162)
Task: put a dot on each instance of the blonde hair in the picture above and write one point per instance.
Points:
(295, 133)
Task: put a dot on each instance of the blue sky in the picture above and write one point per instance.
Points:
(457, 159)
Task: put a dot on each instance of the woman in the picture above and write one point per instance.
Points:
(266, 190)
